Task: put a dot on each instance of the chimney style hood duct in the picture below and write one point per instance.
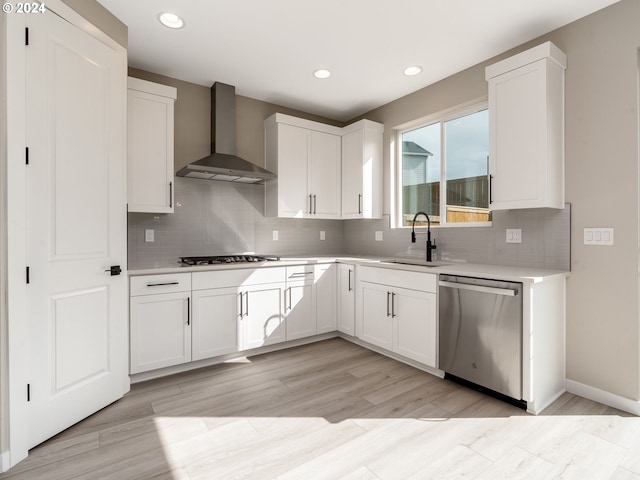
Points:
(223, 164)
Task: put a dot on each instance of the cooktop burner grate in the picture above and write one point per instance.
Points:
(222, 259)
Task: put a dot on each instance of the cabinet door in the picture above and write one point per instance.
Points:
(352, 174)
(215, 322)
(292, 157)
(414, 315)
(150, 153)
(377, 323)
(324, 175)
(346, 299)
(262, 322)
(160, 331)
(299, 305)
(526, 137)
(325, 298)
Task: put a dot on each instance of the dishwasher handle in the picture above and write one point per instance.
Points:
(510, 292)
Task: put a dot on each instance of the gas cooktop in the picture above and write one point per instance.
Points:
(222, 259)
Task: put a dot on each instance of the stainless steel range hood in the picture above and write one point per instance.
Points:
(223, 164)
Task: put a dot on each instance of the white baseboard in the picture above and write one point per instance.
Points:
(606, 398)
(4, 462)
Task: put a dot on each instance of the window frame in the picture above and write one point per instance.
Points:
(441, 117)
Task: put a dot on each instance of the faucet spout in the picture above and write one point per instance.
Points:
(430, 245)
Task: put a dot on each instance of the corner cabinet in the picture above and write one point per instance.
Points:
(396, 311)
(150, 176)
(306, 158)
(526, 129)
(362, 170)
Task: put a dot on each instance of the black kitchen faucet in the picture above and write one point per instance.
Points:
(430, 245)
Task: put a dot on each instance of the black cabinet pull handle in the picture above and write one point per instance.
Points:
(393, 305)
(241, 312)
(349, 283)
(359, 203)
(188, 310)
(162, 284)
(170, 194)
(388, 294)
(114, 270)
(490, 189)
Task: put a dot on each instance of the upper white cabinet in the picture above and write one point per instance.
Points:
(526, 125)
(306, 158)
(150, 147)
(362, 170)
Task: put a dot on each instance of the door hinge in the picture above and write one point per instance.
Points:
(28, 392)
(26, 156)
(28, 275)
(26, 36)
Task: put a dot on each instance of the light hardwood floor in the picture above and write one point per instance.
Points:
(333, 410)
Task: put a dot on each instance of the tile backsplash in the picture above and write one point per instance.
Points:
(545, 240)
(218, 218)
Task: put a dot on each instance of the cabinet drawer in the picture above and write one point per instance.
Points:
(425, 282)
(300, 274)
(165, 283)
(237, 277)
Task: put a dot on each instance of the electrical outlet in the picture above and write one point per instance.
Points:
(275, 235)
(149, 235)
(322, 235)
(378, 236)
(514, 235)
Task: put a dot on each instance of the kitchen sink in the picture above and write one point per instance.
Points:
(421, 263)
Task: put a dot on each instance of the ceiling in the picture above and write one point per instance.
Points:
(269, 49)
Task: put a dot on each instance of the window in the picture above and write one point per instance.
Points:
(453, 151)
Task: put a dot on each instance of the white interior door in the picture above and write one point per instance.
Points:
(76, 224)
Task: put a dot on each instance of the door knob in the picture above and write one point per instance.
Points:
(114, 270)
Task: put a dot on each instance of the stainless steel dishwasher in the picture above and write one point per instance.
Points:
(480, 332)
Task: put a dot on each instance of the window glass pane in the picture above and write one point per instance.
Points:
(421, 174)
(466, 152)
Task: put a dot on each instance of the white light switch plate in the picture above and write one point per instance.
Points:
(275, 235)
(322, 235)
(149, 235)
(378, 236)
(598, 236)
(514, 235)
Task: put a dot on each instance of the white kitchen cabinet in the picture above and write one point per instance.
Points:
(306, 157)
(150, 176)
(160, 321)
(325, 297)
(396, 311)
(299, 302)
(262, 322)
(362, 170)
(215, 322)
(257, 304)
(526, 129)
(346, 315)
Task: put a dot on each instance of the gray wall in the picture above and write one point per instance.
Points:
(101, 18)
(4, 354)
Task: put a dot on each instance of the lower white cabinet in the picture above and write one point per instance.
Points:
(160, 321)
(346, 292)
(215, 322)
(261, 319)
(396, 311)
(299, 302)
(325, 297)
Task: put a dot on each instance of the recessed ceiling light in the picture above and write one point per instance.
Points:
(170, 20)
(412, 70)
(322, 73)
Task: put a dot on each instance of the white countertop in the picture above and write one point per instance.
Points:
(502, 272)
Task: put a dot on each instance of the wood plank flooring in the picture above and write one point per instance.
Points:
(333, 410)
